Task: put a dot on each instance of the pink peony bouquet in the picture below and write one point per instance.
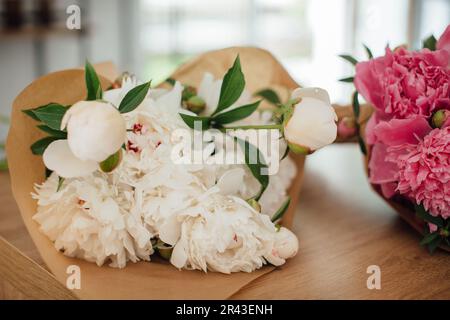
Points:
(407, 138)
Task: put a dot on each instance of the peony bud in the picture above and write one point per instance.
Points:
(188, 92)
(441, 118)
(312, 124)
(95, 130)
(346, 128)
(195, 104)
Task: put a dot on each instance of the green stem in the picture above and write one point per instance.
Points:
(262, 126)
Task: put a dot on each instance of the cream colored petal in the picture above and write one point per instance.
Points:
(317, 93)
(231, 181)
(179, 255)
(59, 158)
(170, 230)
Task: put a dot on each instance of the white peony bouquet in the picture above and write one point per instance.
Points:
(197, 175)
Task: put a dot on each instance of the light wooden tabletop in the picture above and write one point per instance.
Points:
(343, 229)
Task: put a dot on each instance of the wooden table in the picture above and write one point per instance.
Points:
(343, 228)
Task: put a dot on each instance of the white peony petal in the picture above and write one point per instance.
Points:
(170, 230)
(317, 93)
(179, 255)
(171, 101)
(231, 181)
(59, 158)
(286, 243)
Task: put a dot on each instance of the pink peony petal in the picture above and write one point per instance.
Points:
(402, 131)
(381, 170)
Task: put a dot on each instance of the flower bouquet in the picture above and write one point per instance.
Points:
(194, 173)
(407, 138)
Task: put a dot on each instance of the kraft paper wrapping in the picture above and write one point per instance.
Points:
(142, 280)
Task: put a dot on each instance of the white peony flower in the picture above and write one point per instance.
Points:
(95, 131)
(224, 234)
(86, 219)
(313, 121)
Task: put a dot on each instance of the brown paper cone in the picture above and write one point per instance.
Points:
(143, 280)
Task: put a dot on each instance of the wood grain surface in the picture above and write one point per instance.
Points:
(343, 228)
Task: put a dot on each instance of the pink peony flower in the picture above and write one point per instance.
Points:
(402, 84)
(424, 172)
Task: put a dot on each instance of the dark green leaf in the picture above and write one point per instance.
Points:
(3, 165)
(60, 183)
(368, 51)
(434, 244)
(428, 238)
(94, 90)
(55, 133)
(355, 105)
(191, 120)
(282, 210)
(348, 79)
(349, 58)
(270, 95)
(39, 146)
(236, 114)
(255, 162)
(286, 152)
(424, 215)
(232, 86)
(134, 98)
(362, 145)
(51, 115)
(430, 43)
(170, 81)
(30, 113)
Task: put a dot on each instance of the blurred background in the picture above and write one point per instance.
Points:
(152, 37)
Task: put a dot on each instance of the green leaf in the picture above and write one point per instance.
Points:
(424, 215)
(134, 97)
(236, 114)
(355, 105)
(432, 246)
(348, 79)
(362, 145)
(30, 113)
(232, 86)
(255, 162)
(349, 58)
(94, 90)
(429, 238)
(39, 146)
(270, 95)
(51, 115)
(368, 51)
(54, 133)
(430, 43)
(170, 81)
(60, 183)
(190, 121)
(3, 165)
(282, 210)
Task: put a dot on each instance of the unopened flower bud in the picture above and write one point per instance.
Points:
(312, 124)
(195, 104)
(164, 250)
(346, 128)
(441, 118)
(188, 92)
